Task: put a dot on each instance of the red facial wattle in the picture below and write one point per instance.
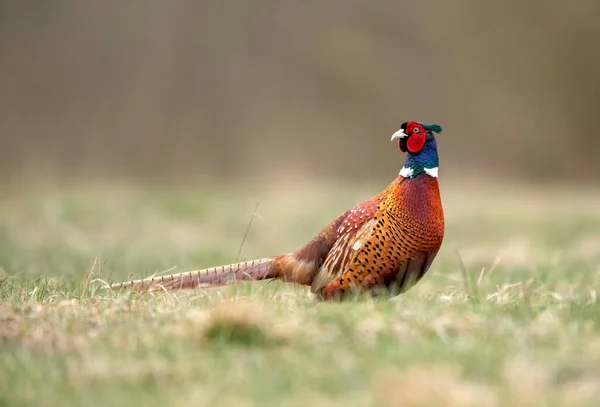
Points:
(416, 142)
(417, 137)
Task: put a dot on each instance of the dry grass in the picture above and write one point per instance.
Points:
(524, 333)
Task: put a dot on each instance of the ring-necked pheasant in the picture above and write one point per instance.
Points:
(385, 244)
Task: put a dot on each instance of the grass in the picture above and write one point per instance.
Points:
(523, 331)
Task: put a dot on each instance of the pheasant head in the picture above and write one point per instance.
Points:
(417, 140)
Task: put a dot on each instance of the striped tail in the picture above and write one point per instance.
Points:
(260, 269)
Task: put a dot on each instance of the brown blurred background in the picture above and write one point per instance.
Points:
(188, 89)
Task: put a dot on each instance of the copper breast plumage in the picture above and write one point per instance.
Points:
(386, 243)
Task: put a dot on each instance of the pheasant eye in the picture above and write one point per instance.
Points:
(416, 130)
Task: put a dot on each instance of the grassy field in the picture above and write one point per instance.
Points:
(523, 330)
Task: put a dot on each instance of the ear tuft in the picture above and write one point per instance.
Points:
(436, 128)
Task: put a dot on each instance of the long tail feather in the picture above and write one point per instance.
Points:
(260, 269)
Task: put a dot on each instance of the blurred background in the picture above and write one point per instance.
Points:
(144, 137)
(185, 90)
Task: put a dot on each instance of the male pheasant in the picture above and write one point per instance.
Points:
(383, 245)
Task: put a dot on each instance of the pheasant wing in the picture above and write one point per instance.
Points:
(353, 231)
(343, 253)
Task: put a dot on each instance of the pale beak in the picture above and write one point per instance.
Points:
(399, 134)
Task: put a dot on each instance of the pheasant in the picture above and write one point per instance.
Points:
(383, 245)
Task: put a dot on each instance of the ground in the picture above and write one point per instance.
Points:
(508, 314)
